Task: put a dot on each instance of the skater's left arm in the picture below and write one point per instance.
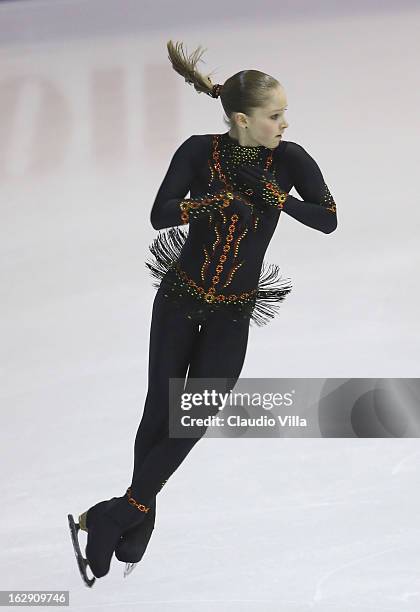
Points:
(318, 209)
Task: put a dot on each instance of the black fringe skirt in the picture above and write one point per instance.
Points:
(260, 308)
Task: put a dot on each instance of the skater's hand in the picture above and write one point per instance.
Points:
(241, 207)
(262, 187)
(218, 187)
(230, 202)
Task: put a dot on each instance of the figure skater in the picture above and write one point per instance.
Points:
(211, 278)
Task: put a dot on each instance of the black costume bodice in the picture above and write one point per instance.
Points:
(218, 264)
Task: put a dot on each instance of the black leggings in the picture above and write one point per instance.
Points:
(212, 347)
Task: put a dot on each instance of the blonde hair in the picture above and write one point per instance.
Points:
(240, 93)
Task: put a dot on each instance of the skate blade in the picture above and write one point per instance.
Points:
(81, 561)
(129, 568)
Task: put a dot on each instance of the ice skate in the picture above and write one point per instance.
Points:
(133, 543)
(81, 561)
(104, 523)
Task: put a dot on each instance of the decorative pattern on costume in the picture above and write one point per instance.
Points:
(218, 239)
(194, 207)
(211, 296)
(237, 243)
(274, 196)
(232, 272)
(234, 267)
(219, 268)
(135, 503)
(264, 186)
(205, 264)
(211, 172)
(328, 200)
(223, 216)
(259, 307)
(243, 155)
(233, 156)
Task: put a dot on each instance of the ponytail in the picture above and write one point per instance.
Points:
(187, 67)
(240, 93)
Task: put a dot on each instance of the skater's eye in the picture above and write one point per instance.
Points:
(277, 114)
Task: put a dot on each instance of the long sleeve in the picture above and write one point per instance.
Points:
(317, 210)
(166, 210)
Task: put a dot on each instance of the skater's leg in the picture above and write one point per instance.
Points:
(172, 338)
(218, 353)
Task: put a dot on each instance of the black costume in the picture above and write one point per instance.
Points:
(187, 263)
(213, 282)
(191, 264)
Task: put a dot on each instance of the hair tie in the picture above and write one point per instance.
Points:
(215, 92)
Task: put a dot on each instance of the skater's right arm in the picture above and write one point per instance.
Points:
(170, 207)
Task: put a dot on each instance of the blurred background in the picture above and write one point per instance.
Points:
(91, 112)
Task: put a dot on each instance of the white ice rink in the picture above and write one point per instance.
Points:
(91, 113)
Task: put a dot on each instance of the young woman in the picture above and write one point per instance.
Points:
(211, 277)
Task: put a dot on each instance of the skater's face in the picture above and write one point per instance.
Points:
(266, 123)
